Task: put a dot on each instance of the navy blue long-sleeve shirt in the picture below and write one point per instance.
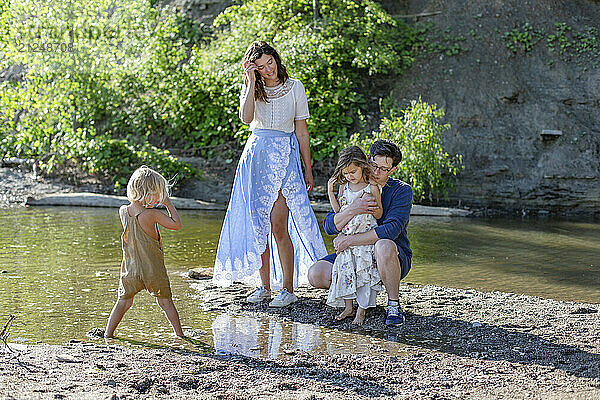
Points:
(396, 199)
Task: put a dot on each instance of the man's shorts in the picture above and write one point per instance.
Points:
(405, 262)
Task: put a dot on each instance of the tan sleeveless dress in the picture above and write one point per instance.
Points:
(143, 265)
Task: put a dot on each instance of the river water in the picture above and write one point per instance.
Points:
(60, 270)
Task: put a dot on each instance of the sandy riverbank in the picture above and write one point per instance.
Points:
(460, 344)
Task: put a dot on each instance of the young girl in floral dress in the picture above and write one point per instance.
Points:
(354, 275)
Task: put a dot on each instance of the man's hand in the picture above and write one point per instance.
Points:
(342, 242)
(366, 204)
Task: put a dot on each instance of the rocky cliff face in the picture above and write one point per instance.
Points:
(527, 124)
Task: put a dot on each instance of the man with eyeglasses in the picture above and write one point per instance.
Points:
(392, 247)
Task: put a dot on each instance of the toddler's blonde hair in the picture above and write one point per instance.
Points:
(147, 186)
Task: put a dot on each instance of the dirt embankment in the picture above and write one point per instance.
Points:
(22, 181)
(459, 345)
(526, 123)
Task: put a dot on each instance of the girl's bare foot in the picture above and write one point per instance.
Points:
(360, 316)
(345, 314)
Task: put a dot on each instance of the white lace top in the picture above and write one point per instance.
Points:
(287, 103)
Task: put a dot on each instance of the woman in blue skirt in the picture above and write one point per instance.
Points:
(270, 235)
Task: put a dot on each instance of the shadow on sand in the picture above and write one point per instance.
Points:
(486, 342)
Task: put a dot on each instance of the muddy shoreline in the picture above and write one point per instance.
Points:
(458, 344)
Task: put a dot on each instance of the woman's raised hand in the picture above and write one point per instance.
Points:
(249, 68)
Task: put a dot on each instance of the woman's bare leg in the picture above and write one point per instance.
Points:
(279, 226)
(265, 269)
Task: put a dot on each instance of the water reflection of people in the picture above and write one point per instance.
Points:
(270, 338)
(270, 235)
(266, 338)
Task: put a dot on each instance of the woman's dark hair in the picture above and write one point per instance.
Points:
(352, 155)
(256, 51)
(385, 148)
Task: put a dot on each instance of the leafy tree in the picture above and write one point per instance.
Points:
(78, 56)
(109, 72)
(425, 165)
(351, 41)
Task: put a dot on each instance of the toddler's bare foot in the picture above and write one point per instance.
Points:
(360, 316)
(345, 314)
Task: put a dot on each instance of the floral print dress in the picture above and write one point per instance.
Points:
(354, 274)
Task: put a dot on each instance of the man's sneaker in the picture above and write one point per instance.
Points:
(394, 314)
(260, 294)
(284, 298)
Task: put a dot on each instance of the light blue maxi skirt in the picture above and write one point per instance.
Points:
(269, 163)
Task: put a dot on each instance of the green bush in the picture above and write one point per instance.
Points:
(140, 75)
(44, 130)
(425, 165)
(84, 100)
(117, 159)
(351, 41)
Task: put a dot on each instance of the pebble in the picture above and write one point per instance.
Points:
(162, 389)
(476, 324)
(66, 358)
(194, 333)
(95, 333)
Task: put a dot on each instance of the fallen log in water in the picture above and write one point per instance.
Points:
(106, 200)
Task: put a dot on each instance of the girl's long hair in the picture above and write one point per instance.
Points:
(255, 51)
(352, 155)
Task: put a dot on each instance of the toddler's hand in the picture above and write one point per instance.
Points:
(330, 183)
(165, 197)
